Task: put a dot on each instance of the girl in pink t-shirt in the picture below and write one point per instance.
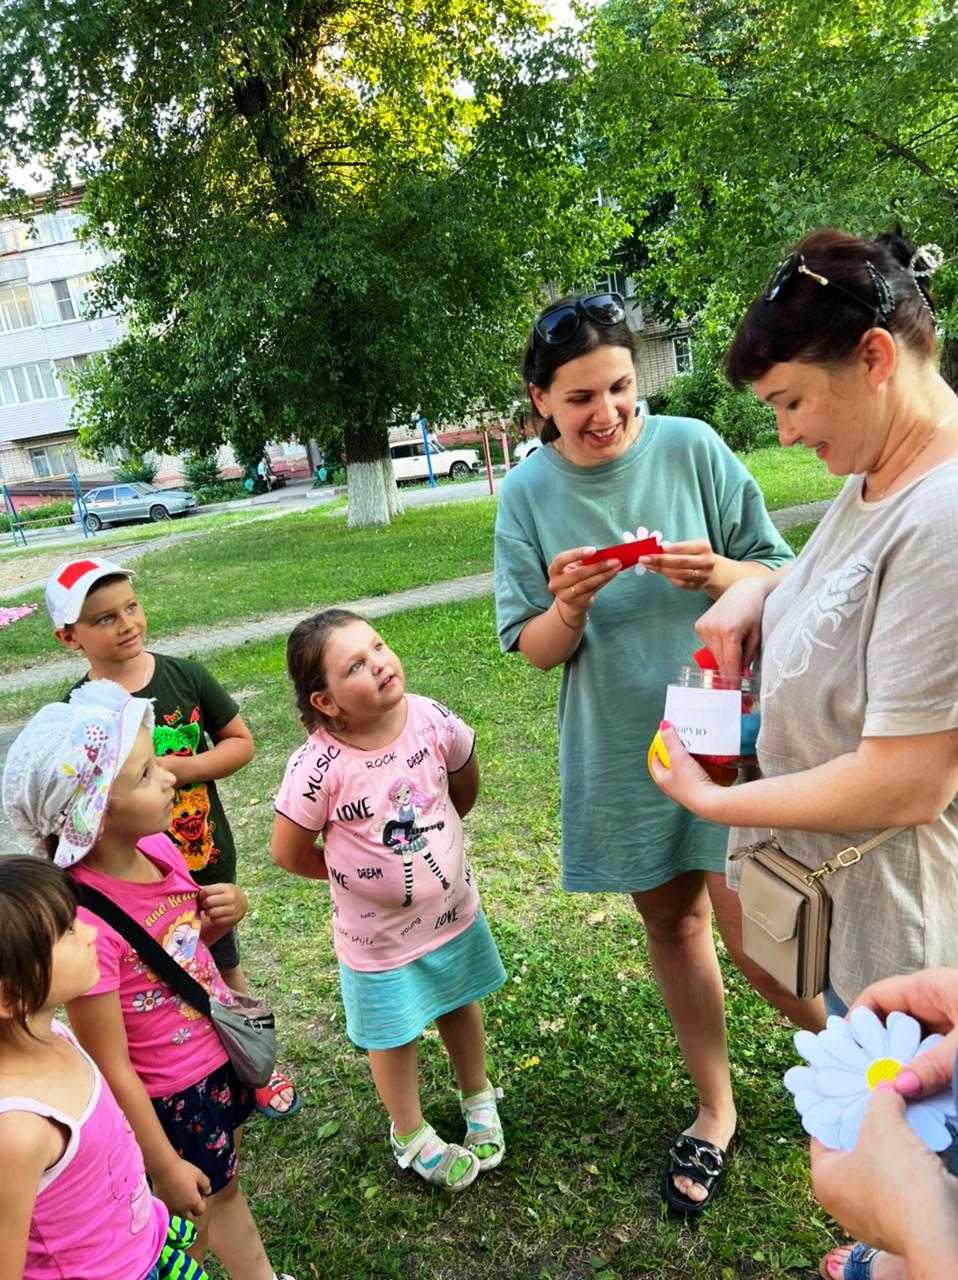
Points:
(83, 780)
(385, 778)
(76, 1204)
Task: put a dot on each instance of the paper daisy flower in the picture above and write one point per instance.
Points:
(640, 533)
(846, 1061)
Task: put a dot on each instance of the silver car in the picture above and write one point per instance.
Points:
(115, 503)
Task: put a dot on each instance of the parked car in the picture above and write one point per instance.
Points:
(527, 447)
(410, 462)
(115, 503)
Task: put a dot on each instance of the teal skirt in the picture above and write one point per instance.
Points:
(387, 1009)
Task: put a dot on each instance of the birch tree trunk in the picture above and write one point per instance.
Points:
(372, 493)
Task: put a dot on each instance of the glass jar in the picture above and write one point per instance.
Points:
(739, 758)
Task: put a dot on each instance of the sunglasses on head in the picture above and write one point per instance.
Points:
(558, 324)
(795, 265)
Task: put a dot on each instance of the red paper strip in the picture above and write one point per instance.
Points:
(627, 553)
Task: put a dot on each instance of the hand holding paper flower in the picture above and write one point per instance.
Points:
(641, 533)
(846, 1062)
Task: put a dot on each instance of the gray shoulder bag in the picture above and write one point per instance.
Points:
(786, 911)
(246, 1028)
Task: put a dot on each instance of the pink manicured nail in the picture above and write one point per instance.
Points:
(907, 1084)
(665, 724)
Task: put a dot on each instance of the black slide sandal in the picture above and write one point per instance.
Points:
(699, 1160)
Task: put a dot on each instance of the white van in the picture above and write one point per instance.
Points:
(410, 463)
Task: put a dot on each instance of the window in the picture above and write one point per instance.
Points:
(16, 308)
(403, 450)
(682, 353)
(13, 236)
(615, 282)
(55, 228)
(21, 383)
(67, 367)
(126, 493)
(59, 300)
(53, 460)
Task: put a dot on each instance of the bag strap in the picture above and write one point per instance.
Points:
(146, 947)
(849, 856)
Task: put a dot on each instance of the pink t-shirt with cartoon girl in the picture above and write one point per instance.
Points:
(94, 1215)
(393, 842)
(171, 1045)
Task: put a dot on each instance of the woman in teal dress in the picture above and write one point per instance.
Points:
(621, 637)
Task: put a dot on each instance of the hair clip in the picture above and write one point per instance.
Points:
(885, 304)
(931, 256)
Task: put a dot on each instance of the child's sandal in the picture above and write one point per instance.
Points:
(483, 1126)
(430, 1157)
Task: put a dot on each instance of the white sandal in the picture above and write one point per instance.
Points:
(434, 1164)
(483, 1126)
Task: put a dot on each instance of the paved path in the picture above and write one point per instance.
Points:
(228, 635)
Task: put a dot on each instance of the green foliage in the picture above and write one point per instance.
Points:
(137, 467)
(741, 420)
(323, 217)
(728, 131)
(52, 511)
(201, 470)
(221, 491)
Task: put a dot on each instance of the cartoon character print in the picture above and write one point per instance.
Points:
(129, 1186)
(190, 827)
(403, 836)
(178, 740)
(181, 941)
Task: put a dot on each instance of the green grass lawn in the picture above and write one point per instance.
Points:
(300, 561)
(788, 477)
(242, 570)
(18, 705)
(594, 1085)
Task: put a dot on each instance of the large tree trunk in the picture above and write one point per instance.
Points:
(373, 497)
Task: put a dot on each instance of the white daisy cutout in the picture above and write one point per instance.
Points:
(640, 533)
(846, 1061)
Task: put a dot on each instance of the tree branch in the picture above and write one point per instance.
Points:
(904, 153)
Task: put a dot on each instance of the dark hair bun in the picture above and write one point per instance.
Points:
(901, 249)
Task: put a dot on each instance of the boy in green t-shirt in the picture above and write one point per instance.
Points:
(199, 734)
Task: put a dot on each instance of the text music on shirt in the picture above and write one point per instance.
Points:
(321, 766)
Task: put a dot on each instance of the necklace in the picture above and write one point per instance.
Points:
(877, 496)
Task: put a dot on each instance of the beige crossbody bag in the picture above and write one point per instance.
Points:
(786, 911)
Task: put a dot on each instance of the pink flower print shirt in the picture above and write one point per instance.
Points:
(393, 841)
(171, 1045)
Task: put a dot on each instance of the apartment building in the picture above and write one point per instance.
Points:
(47, 330)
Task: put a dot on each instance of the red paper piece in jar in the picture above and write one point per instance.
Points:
(705, 660)
(627, 553)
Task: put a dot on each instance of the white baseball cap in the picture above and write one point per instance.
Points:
(62, 765)
(70, 584)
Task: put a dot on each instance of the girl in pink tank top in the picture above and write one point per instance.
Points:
(77, 1206)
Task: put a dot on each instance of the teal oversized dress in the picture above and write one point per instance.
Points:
(620, 834)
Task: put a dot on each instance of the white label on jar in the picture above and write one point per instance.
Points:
(709, 721)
